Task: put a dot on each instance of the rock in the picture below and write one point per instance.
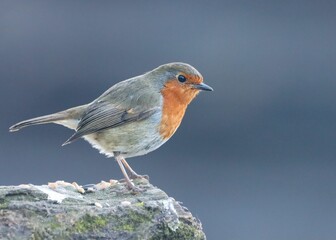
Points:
(65, 211)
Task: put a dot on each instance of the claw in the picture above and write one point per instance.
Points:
(137, 176)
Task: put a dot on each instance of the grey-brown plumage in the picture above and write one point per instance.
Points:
(127, 119)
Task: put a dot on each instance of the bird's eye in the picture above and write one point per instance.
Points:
(181, 78)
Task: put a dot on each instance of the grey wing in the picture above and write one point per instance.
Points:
(103, 115)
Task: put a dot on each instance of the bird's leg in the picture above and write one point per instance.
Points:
(133, 174)
(119, 159)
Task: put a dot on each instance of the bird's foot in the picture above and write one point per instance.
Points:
(137, 176)
(133, 188)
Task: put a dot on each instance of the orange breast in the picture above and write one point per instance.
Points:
(175, 102)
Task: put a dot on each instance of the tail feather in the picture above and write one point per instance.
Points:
(65, 118)
(34, 121)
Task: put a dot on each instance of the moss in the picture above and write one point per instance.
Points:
(90, 223)
(50, 228)
(140, 204)
(55, 225)
(3, 203)
(184, 231)
(134, 220)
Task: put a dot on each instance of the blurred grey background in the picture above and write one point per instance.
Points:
(255, 159)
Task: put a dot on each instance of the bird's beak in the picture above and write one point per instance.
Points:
(202, 86)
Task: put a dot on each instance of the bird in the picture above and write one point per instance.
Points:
(133, 117)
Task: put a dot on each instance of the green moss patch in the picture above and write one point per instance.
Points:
(90, 223)
(3, 203)
(134, 220)
(184, 231)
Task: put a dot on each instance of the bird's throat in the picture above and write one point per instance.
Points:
(175, 102)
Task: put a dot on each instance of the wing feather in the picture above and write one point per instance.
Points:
(103, 115)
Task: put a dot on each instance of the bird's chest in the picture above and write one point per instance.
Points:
(172, 115)
(170, 122)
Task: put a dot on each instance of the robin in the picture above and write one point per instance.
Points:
(133, 117)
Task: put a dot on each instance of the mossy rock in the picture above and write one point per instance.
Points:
(38, 212)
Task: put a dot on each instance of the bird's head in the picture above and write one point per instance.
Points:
(180, 80)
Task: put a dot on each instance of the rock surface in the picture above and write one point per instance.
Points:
(105, 211)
